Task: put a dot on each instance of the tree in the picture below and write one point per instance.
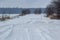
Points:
(54, 9)
(50, 10)
(25, 11)
(4, 15)
(37, 11)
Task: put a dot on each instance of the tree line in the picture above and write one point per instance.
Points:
(53, 9)
(23, 12)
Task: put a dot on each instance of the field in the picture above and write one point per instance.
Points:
(30, 27)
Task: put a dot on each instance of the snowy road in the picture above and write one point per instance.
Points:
(30, 27)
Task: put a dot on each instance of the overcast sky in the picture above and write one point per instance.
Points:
(24, 3)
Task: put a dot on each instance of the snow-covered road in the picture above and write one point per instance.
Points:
(30, 27)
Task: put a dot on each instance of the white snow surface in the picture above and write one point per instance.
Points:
(30, 27)
(10, 15)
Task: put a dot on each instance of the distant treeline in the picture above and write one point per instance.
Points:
(19, 10)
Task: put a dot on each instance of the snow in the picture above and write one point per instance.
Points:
(10, 15)
(30, 27)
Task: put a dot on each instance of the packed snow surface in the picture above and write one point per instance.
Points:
(30, 27)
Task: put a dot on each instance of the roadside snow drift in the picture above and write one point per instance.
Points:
(30, 27)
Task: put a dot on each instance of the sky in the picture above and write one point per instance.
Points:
(24, 3)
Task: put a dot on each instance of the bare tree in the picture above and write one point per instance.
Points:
(4, 15)
(54, 10)
(25, 11)
(37, 11)
(50, 10)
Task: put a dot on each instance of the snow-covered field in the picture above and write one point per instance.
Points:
(30, 27)
(11, 15)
